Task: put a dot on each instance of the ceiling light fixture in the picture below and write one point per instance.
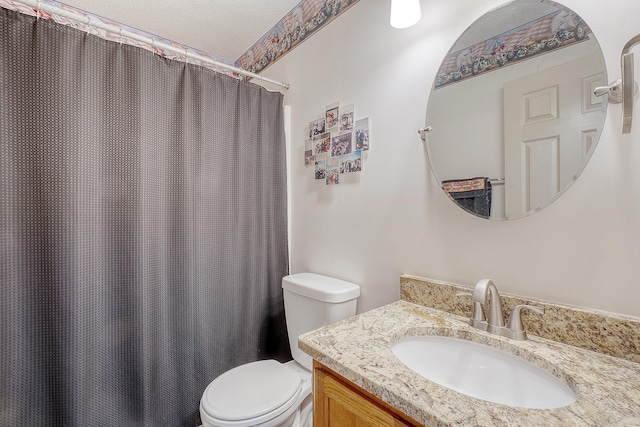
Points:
(404, 13)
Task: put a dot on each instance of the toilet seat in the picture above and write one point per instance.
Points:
(251, 394)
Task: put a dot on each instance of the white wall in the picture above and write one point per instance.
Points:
(581, 250)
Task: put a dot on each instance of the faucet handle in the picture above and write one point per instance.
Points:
(478, 318)
(515, 329)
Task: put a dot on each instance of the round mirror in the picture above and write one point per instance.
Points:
(513, 115)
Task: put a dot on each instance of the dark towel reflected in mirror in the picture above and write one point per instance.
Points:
(473, 195)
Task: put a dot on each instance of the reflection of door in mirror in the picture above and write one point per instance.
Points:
(548, 135)
(533, 45)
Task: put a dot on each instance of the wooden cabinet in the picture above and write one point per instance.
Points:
(339, 403)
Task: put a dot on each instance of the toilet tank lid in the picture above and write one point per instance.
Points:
(321, 288)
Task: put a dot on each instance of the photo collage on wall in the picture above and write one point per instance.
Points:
(336, 143)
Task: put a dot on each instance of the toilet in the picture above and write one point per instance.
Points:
(268, 393)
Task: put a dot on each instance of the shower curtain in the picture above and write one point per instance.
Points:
(143, 229)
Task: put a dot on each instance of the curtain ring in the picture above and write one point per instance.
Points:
(120, 35)
(38, 11)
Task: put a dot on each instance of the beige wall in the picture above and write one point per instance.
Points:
(582, 250)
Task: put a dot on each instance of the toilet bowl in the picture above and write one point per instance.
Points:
(268, 393)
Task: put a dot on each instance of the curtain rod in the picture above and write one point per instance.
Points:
(148, 40)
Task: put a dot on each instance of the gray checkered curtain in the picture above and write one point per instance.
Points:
(143, 229)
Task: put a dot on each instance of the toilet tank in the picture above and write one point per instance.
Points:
(312, 301)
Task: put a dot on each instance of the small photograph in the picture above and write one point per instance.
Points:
(352, 162)
(331, 116)
(362, 134)
(322, 143)
(346, 119)
(316, 127)
(321, 167)
(308, 153)
(333, 171)
(341, 144)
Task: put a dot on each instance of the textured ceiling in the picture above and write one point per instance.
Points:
(226, 28)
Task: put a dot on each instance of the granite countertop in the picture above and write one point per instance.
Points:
(359, 349)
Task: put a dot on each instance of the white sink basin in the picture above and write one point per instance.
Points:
(483, 372)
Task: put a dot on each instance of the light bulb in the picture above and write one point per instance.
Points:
(404, 13)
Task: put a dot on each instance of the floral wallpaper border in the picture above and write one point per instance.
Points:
(302, 21)
(561, 28)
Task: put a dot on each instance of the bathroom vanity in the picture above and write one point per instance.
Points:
(337, 401)
(359, 381)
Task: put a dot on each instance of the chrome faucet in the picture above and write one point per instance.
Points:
(485, 292)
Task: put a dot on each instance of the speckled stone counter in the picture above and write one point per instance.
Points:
(359, 349)
(608, 333)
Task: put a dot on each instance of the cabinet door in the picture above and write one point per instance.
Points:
(338, 405)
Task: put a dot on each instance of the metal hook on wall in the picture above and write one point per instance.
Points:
(423, 132)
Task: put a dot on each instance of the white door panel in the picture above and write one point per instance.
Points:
(548, 134)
